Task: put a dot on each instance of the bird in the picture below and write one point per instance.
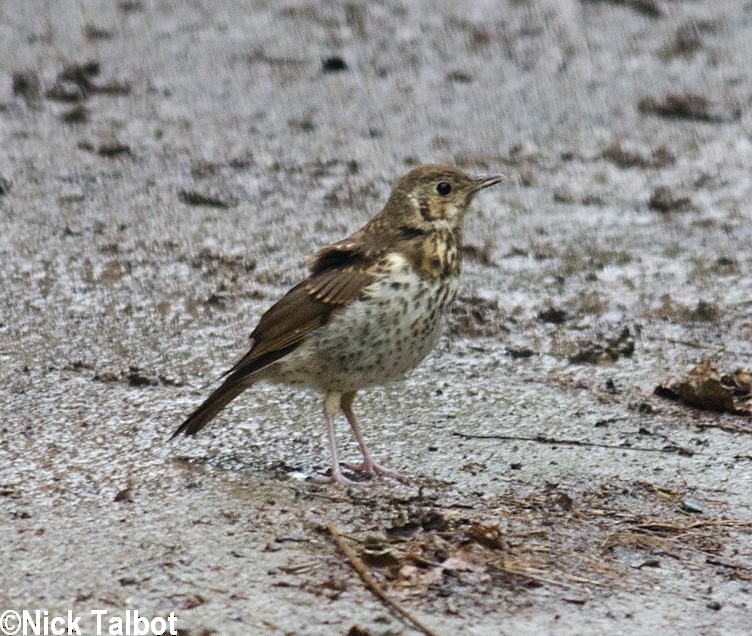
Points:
(369, 311)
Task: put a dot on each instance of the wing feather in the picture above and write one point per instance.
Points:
(339, 274)
(338, 286)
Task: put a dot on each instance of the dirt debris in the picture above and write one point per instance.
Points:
(553, 315)
(610, 350)
(135, 377)
(334, 64)
(692, 106)
(28, 85)
(482, 254)
(650, 8)
(212, 199)
(476, 317)
(626, 156)
(76, 82)
(665, 199)
(78, 114)
(535, 547)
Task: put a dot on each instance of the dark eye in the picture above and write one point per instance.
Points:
(443, 188)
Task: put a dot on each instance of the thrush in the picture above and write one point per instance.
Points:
(369, 311)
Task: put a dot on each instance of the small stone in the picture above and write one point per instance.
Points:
(692, 505)
(714, 605)
(123, 495)
(553, 315)
(28, 85)
(563, 194)
(305, 124)
(114, 149)
(209, 199)
(65, 91)
(95, 32)
(79, 114)
(520, 352)
(333, 64)
(646, 408)
(130, 6)
(460, 77)
(664, 199)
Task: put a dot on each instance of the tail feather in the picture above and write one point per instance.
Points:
(211, 407)
(248, 371)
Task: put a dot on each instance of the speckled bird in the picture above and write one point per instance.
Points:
(369, 311)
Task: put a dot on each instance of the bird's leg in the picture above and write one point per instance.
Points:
(331, 408)
(367, 465)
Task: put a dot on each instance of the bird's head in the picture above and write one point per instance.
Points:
(435, 196)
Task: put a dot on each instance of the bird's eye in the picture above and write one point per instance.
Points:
(443, 188)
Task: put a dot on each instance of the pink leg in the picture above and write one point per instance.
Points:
(331, 408)
(368, 465)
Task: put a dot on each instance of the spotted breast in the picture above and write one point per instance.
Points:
(377, 339)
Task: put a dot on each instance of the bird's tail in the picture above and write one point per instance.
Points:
(211, 407)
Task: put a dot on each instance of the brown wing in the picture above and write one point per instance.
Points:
(339, 273)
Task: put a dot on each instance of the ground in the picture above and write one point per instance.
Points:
(164, 169)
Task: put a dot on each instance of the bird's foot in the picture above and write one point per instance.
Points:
(370, 467)
(339, 478)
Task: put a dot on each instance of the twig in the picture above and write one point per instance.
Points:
(727, 564)
(688, 343)
(310, 493)
(373, 585)
(661, 490)
(192, 584)
(582, 579)
(544, 439)
(698, 345)
(535, 578)
(657, 526)
(729, 428)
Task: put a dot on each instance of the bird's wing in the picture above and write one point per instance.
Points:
(339, 273)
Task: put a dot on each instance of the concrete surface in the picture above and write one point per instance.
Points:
(121, 304)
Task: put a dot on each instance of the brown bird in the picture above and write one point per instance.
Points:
(369, 311)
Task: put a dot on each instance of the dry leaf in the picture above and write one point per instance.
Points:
(704, 388)
(489, 536)
(465, 560)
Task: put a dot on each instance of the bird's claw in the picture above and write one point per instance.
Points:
(375, 470)
(339, 478)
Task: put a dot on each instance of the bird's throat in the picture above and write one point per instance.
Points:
(435, 255)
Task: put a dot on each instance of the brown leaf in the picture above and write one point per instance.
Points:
(466, 561)
(704, 388)
(380, 558)
(489, 536)
(123, 495)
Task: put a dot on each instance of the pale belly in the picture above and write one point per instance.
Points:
(373, 341)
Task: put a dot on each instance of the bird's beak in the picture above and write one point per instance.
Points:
(486, 181)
